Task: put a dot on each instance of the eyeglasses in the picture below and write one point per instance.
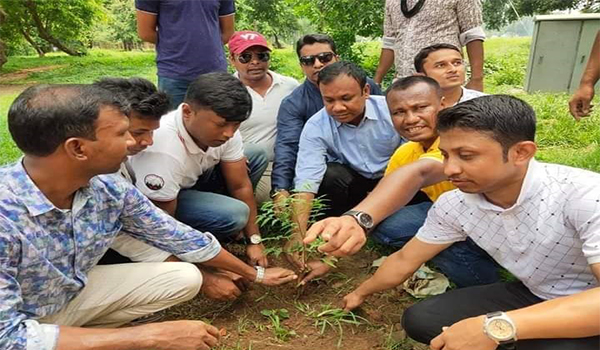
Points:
(247, 56)
(323, 57)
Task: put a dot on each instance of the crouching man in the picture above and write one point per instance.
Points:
(57, 218)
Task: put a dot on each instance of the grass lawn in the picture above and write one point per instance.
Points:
(305, 318)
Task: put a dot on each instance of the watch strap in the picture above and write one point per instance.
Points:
(260, 274)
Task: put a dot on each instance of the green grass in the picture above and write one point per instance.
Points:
(560, 138)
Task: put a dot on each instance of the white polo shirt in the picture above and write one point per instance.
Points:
(547, 239)
(261, 127)
(174, 162)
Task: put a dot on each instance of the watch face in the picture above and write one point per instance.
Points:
(500, 329)
(255, 239)
(366, 220)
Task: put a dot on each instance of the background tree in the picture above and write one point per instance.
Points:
(272, 18)
(499, 13)
(2, 45)
(122, 25)
(64, 24)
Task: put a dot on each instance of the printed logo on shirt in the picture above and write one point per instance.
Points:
(154, 182)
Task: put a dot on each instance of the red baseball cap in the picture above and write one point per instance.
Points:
(240, 41)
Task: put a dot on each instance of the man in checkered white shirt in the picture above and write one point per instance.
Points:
(539, 221)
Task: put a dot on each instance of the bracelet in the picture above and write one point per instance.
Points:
(260, 274)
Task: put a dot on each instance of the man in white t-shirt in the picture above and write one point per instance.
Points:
(539, 221)
(251, 57)
(197, 170)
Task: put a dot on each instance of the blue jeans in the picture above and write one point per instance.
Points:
(464, 263)
(208, 207)
(175, 88)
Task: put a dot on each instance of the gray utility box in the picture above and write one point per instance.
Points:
(560, 49)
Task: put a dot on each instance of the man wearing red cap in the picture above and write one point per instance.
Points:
(251, 57)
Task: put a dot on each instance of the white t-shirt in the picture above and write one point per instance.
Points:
(261, 127)
(547, 239)
(468, 94)
(174, 162)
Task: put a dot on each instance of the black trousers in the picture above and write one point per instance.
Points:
(424, 320)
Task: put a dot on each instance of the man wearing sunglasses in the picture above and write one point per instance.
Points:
(315, 52)
(251, 56)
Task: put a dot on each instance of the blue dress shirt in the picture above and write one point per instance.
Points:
(294, 112)
(366, 148)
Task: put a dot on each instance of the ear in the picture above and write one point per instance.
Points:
(522, 152)
(76, 149)
(186, 111)
(443, 104)
(367, 90)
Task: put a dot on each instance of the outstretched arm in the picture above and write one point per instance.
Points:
(580, 104)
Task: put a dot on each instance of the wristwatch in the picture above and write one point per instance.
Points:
(364, 220)
(500, 328)
(260, 274)
(255, 239)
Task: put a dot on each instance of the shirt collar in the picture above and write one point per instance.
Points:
(183, 135)
(33, 198)
(370, 113)
(529, 188)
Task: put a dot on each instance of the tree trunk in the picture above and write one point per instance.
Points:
(43, 31)
(277, 43)
(3, 58)
(40, 51)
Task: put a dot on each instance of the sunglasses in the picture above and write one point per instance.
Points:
(247, 57)
(323, 57)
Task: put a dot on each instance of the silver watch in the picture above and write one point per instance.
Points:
(364, 220)
(260, 274)
(500, 328)
(255, 239)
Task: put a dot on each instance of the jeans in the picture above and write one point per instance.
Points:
(424, 320)
(464, 263)
(175, 88)
(207, 206)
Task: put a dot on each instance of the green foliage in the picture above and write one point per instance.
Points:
(498, 13)
(506, 61)
(8, 151)
(271, 18)
(121, 24)
(65, 24)
(343, 22)
(276, 316)
(330, 317)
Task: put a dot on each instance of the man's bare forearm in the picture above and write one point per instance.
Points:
(386, 61)
(227, 261)
(592, 71)
(301, 207)
(77, 338)
(574, 316)
(246, 195)
(476, 56)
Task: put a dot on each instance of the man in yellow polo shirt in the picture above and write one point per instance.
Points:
(414, 179)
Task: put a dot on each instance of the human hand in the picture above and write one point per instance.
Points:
(279, 201)
(344, 236)
(221, 286)
(475, 84)
(580, 104)
(256, 254)
(181, 335)
(465, 334)
(353, 300)
(275, 276)
(316, 268)
(292, 254)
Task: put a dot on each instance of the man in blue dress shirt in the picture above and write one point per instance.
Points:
(315, 51)
(344, 148)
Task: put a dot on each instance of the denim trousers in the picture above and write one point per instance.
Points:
(207, 206)
(464, 263)
(175, 88)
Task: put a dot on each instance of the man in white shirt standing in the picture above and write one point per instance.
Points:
(251, 57)
(539, 221)
(197, 170)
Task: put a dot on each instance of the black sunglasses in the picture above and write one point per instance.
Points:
(247, 56)
(323, 57)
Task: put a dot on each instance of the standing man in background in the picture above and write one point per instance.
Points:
(410, 25)
(189, 38)
(580, 104)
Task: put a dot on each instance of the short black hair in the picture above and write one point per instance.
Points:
(332, 71)
(44, 116)
(222, 93)
(507, 119)
(141, 95)
(425, 52)
(410, 81)
(310, 39)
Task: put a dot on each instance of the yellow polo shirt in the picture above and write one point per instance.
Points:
(412, 152)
